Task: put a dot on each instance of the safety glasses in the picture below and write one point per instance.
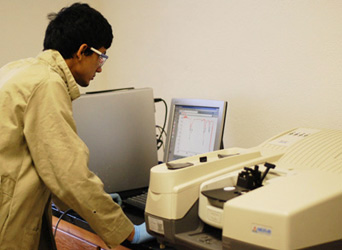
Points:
(102, 57)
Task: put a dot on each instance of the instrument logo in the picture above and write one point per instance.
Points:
(259, 229)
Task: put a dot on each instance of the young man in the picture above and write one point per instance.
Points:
(40, 153)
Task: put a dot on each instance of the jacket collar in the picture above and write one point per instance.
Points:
(58, 64)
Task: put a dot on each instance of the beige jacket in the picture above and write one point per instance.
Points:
(41, 154)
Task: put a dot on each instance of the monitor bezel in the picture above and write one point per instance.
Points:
(221, 105)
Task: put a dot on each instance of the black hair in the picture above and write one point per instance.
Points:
(75, 25)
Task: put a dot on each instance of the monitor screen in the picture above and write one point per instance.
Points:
(119, 130)
(195, 126)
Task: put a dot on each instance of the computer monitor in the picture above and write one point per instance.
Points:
(119, 129)
(195, 126)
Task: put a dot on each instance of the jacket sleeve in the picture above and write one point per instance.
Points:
(61, 160)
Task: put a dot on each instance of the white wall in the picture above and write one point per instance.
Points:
(278, 63)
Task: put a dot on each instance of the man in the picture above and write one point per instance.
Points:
(40, 153)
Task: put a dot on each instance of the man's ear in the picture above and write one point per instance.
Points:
(81, 50)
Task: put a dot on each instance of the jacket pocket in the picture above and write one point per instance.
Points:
(30, 239)
(7, 186)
